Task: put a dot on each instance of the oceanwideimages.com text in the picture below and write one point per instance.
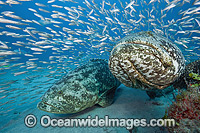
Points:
(129, 123)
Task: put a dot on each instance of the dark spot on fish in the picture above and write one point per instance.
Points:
(69, 76)
(77, 87)
(87, 73)
(149, 33)
(163, 42)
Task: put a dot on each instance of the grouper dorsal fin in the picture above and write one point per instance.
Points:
(107, 97)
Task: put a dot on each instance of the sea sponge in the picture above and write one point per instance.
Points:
(195, 76)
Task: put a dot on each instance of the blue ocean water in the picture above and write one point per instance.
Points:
(20, 94)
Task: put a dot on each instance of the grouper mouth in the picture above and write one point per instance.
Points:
(44, 106)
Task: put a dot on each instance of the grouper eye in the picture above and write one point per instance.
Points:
(60, 92)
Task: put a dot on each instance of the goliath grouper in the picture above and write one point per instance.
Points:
(87, 85)
(146, 60)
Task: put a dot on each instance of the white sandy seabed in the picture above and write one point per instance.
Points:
(128, 103)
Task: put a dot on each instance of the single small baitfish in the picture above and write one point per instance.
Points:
(85, 86)
(146, 60)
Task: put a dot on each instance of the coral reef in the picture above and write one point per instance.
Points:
(186, 109)
(186, 106)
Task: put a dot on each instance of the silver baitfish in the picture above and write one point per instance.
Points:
(146, 60)
(85, 86)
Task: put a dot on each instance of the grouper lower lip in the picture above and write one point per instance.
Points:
(43, 106)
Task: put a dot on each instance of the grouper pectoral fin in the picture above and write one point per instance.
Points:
(107, 97)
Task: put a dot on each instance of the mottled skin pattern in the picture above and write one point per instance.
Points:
(146, 60)
(87, 85)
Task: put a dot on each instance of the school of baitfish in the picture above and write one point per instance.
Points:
(46, 40)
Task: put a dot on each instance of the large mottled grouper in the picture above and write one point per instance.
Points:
(85, 86)
(146, 60)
